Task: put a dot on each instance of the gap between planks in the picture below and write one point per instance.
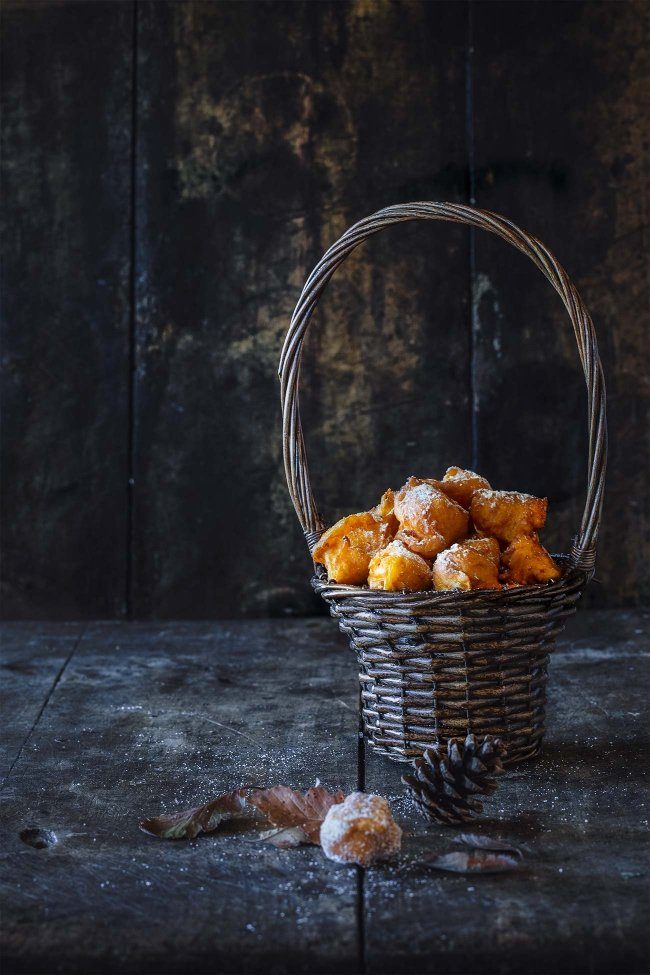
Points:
(361, 786)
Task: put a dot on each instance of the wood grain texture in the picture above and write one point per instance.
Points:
(261, 131)
(579, 904)
(152, 717)
(566, 155)
(66, 122)
(147, 719)
(264, 130)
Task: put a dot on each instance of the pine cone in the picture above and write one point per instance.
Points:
(445, 783)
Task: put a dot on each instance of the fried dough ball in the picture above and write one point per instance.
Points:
(385, 510)
(360, 830)
(347, 547)
(507, 514)
(428, 547)
(460, 485)
(396, 568)
(468, 565)
(426, 511)
(526, 562)
(487, 546)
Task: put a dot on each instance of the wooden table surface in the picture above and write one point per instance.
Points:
(108, 722)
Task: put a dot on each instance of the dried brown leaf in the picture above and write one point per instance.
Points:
(474, 861)
(285, 837)
(477, 842)
(207, 818)
(284, 807)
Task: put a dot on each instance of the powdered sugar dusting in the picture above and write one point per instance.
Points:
(399, 548)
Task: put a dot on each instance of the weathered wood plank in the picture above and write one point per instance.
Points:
(145, 718)
(561, 147)
(131, 729)
(264, 131)
(580, 905)
(66, 119)
(32, 657)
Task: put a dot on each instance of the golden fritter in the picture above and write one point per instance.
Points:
(507, 514)
(428, 547)
(526, 562)
(460, 485)
(397, 568)
(487, 546)
(385, 510)
(392, 547)
(426, 511)
(347, 547)
(467, 566)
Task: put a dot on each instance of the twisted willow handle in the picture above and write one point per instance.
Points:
(583, 550)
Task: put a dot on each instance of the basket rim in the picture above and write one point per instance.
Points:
(571, 577)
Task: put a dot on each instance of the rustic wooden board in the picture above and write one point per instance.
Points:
(66, 119)
(264, 130)
(31, 664)
(146, 718)
(580, 904)
(561, 147)
(261, 130)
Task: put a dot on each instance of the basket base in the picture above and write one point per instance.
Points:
(408, 709)
(523, 753)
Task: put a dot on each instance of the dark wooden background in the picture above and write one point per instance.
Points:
(172, 171)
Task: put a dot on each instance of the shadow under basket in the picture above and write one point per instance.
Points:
(437, 665)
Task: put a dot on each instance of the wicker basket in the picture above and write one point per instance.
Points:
(435, 665)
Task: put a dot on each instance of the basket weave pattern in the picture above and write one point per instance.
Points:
(435, 665)
(441, 665)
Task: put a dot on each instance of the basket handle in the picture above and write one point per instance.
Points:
(583, 548)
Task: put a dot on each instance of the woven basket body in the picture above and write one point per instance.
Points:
(435, 665)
